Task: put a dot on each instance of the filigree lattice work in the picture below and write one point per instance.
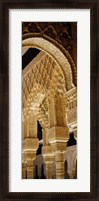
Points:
(42, 79)
(64, 33)
(56, 54)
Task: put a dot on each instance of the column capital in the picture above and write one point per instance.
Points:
(30, 143)
(47, 151)
(58, 133)
(58, 146)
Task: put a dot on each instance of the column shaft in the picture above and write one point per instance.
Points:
(30, 169)
(59, 165)
(49, 170)
(24, 171)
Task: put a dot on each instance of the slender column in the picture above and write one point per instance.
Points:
(24, 171)
(58, 147)
(24, 174)
(49, 169)
(45, 136)
(30, 169)
(58, 132)
(47, 153)
(57, 115)
(32, 127)
(30, 145)
(24, 129)
(48, 159)
(59, 165)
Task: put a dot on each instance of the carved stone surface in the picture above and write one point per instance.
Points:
(58, 146)
(72, 115)
(36, 86)
(47, 150)
(58, 133)
(30, 143)
(24, 170)
(65, 33)
(54, 52)
(49, 95)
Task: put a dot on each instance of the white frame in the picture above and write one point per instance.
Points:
(82, 17)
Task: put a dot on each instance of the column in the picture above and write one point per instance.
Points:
(24, 171)
(45, 136)
(30, 144)
(48, 159)
(59, 165)
(58, 132)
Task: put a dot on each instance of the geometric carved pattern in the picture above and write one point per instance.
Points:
(48, 87)
(71, 105)
(72, 115)
(55, 53)
(63, 33)
(71, 98)
(38, 78)
(41, 79)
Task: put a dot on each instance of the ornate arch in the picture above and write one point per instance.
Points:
(55, 53)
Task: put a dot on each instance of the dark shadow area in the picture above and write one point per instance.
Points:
(30, 54)
(39, 131)
(36, 172)
(66, 176)
(42, 172)
(71, 140)
(39, 136)
(39, 150)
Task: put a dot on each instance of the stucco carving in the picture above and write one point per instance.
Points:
(61, 34)
(55, 53)
(42, 79)
(48, 93)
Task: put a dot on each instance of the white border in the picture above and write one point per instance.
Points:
(82, 17)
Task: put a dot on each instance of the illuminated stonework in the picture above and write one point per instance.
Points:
(50, 97)
(55, 53)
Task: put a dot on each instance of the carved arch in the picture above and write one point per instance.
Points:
(55, 53)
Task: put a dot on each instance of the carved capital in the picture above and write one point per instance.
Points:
(30, 143)
(58, 133)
